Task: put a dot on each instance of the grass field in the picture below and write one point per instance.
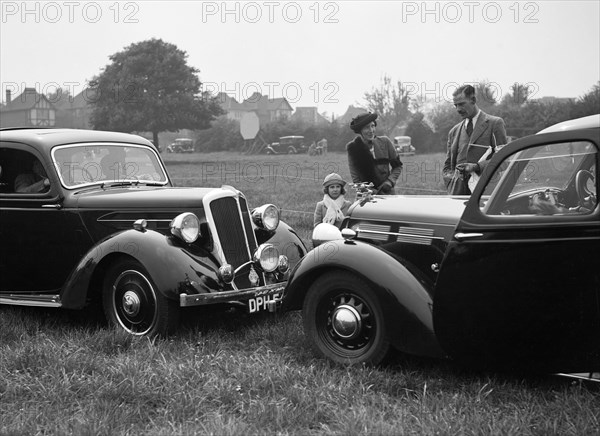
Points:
(229, 373)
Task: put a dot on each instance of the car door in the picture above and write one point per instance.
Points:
(519, 284)
(39, 248)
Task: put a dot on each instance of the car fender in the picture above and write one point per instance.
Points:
(174, 267)
(406, 301)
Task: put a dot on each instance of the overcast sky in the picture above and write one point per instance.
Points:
(325, 54)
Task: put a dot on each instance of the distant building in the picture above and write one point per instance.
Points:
(267, 109)
(350, 113)
(310, 115)
(30, 109)
(75, 112)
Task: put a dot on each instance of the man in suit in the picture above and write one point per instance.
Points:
(476, 127)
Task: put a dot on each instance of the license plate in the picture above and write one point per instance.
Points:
(261, 303)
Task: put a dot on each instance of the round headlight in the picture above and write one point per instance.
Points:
(186, 226)
(267, 256)
(266, 217)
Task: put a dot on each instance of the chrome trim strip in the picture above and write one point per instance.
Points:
(226, 296)
(32, 300)
(409, 235)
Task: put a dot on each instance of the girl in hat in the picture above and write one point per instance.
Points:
(334, 206)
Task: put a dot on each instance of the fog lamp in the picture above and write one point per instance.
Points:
(226, 273)
(267, 257)
(283, 265)
(186, 226)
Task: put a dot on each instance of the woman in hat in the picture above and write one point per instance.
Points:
(372, 158)
(334, 206)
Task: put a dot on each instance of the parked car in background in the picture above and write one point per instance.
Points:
(404, 145)
(507, 278)
(288, 145)
(108, 230)
(181, 145)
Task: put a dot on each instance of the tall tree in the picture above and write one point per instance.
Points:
(149, 87)
(589, 103)
(485, 92)
(391, 103)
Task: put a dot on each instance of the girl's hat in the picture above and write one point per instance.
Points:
(333, 179)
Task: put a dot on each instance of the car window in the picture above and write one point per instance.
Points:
(22, 173)
(551, 179)
(78, 165)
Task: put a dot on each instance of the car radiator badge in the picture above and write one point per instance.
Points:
(253, 277)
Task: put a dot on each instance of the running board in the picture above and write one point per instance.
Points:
(32, 300)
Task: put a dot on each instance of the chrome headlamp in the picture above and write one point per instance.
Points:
(266, 217)
(186, 226)
(267, 257)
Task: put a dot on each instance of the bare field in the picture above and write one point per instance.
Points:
(229, 373)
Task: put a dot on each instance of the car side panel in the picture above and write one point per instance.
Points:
(405, 300)
(174, 267)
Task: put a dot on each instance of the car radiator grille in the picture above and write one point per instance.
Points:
(230, 223)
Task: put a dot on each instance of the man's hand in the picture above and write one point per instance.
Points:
(468, 168)
(386, 187)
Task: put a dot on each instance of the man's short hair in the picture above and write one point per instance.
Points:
(468, 90)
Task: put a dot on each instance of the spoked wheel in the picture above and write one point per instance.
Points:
(343, 320)
(133, 303)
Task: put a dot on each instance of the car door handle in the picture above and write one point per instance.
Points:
(463, 236)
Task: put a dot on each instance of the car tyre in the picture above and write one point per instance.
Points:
(343, 320)
(132, 302)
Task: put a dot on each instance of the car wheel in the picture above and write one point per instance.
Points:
(133, 303)
(291, 150)
(343, 320)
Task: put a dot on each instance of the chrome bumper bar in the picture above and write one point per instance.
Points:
(186, 300)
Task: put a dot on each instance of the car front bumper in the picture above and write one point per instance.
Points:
(268, 297)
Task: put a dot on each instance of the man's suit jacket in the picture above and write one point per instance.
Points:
(489, 130)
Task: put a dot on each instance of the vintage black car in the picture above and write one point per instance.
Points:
(92, 218)
(507, 278)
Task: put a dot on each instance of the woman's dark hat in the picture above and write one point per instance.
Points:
(360, 121)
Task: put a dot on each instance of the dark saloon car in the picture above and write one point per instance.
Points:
(92, 218)
(507, 278)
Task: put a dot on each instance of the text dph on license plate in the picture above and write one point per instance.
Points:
(261, 303)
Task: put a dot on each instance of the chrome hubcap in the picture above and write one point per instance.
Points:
(346, 322)
(131, 303)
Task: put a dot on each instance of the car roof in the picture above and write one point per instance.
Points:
(589, 122)
(51, 137)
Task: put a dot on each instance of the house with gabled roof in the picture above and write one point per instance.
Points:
(267, 109)
(233, 109)
(29, 109)
(350, 113)
(310, 115)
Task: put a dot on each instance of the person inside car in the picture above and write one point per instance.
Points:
(34, 182)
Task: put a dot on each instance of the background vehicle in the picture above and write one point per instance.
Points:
(181, 145)
(112, 232)
(289, 144)
(505, 279)
(404, 146)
